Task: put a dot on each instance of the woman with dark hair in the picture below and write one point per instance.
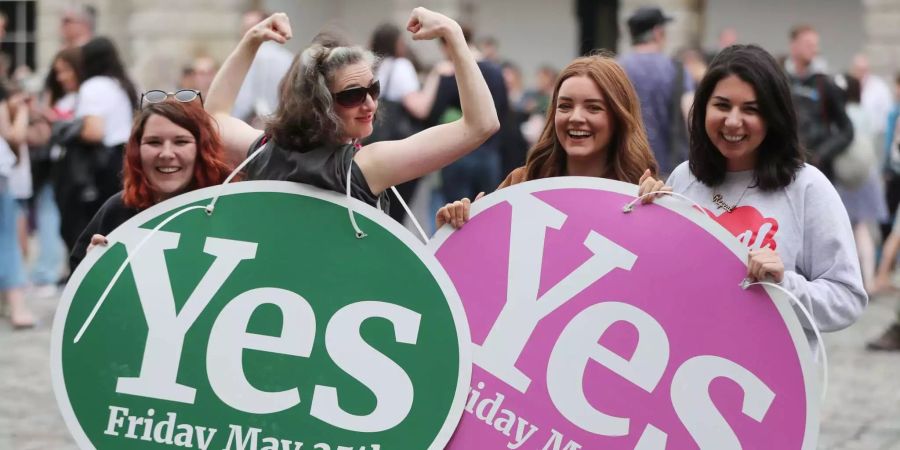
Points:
(173, 148)
(593, 128)
(64, 79)
(327, 106)
(93, 161)
(107, 96)
(396, 118)
(746, 167)
(61, 97)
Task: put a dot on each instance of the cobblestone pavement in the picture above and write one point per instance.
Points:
(862, 411)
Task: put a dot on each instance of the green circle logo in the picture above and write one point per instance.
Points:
(267, 325)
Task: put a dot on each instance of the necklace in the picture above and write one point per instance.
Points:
(720, 201)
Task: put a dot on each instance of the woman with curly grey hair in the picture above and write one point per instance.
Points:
(327, 105)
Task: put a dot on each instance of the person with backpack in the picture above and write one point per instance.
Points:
(825, 130)
(661, 82)
(747, 171)
(399, 85)
(858, 181)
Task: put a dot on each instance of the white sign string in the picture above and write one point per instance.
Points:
(209, 210)
(359, 233)
(124, 264)
(410, 215)
(809, 318)
(629, 207)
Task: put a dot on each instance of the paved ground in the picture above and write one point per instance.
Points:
(862, 411)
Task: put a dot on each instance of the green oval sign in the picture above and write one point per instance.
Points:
(265, 326)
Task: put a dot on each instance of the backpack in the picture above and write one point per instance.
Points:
(853, 166)
(393, 122)
(813, 124)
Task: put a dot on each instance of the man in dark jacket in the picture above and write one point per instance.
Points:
(825, 130)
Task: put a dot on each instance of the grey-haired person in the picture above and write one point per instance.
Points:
(327, 106)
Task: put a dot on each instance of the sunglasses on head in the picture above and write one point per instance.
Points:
(357, 96)
(158, 96)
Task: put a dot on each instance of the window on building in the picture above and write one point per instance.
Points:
(18, 44)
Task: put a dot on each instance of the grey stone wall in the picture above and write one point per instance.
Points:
(157, 38)
(154, 38)
(881, 20)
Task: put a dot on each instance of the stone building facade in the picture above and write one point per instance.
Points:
(158, 38)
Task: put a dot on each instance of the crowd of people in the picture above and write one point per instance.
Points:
(813, 155)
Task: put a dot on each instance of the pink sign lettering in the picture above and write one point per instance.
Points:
(593, 328)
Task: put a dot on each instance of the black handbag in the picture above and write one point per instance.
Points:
(392, 121)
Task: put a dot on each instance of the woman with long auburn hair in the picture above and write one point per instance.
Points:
(174, 147)
(593, 128)
(141, 189)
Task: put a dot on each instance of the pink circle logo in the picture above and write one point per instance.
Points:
(593, 328)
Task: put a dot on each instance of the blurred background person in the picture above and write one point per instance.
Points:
(728, 36)
(535, 102)
(93, 161)
(661, 83)
(204, 69)
(258, 96)
(822, 123)
(514, 146)
(858, 181)
(478, 171)
(12, 277)
(78, 24)
(58, 105)
(395, 119)
(490, 49)
(876, 98)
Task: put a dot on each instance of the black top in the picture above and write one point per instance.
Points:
(447, 97)
(112, 214)
(324, 167)
(823, 126)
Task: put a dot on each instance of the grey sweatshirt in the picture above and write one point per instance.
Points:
(806, 224)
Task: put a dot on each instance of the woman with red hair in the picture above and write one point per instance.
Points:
(593, 129)
(173, 148)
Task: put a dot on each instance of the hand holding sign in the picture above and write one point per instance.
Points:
(241, 330)
(764, 263)
(597, 340)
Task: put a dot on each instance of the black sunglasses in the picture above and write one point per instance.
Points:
(158, 96)
(350, 98)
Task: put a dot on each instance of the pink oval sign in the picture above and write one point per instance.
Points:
(593, 328)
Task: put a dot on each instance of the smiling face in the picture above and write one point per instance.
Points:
(582, 120)
(356, 120)
(168, 154)
(734, 123)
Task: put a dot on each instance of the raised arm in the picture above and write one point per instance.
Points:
(388, 163)
(236, 134)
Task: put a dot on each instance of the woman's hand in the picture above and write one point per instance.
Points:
(97, 239)
(276, 27)
(425, 24)
(648, 184)
(763, 263)
(456, 213)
